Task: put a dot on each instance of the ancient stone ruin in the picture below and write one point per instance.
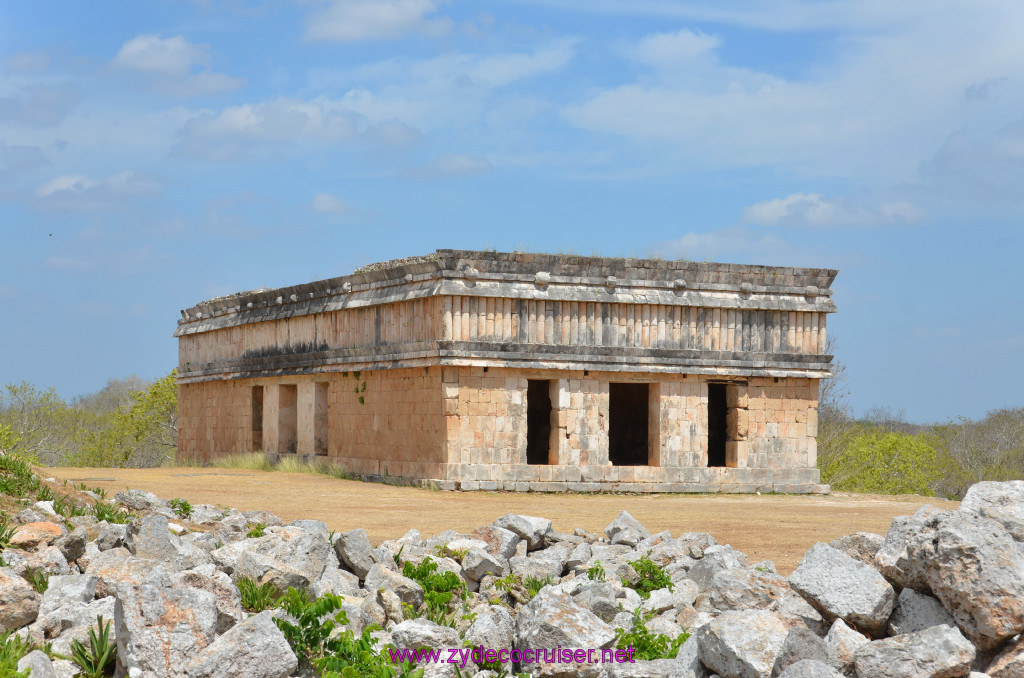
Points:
(486, 370)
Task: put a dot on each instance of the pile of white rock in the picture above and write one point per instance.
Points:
(940, 596)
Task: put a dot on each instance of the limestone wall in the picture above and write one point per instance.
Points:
(214, 419)
(468, 425)
(770, 428)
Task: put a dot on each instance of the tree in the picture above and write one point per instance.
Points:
(44, 427)
(144, 433)
(971, 451)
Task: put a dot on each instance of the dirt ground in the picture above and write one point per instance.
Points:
(777, 527)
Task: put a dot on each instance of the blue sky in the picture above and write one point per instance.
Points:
(156, 154)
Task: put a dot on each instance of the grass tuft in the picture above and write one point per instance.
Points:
(253, 461)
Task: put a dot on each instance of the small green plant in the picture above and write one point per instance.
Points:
(534, 584)
(651, 577)
(181, 508)
(257, 597)
(507, 582)
(256, 531)
(38, 577)
(521, 591)
(648, 645)
(99, 492)
(96, 660)
(6, 535)
(596, 572)
(12, 649)
(397, 557)
(442, 551)
(45, 493)
(65, 506)
(110, 513)
(441, 591)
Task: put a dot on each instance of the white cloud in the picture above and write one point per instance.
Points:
(352, 20)
(174, 65)
(236, 131)
(811, 209)
(325, 203)
(456, 164)
(873, 104)
(81, 193)
(670, 49)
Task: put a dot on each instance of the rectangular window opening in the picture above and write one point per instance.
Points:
(320, 419)
(257, 418)
(628, 413)
(717, 436)
(287, 419)
(538, 421)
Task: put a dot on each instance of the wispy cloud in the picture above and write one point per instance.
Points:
(354, 20)
(674, 49)
(455, 164)
(238, 130)
(812, 209)
(173, 65)
(77, 192)
(325, 203)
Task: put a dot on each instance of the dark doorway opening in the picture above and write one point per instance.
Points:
(538, 421)
(716, 425)
(257, 418)
(628, 412)
(287, 419)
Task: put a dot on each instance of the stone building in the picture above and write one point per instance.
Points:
(487, 370)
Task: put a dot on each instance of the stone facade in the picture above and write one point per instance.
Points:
(520, 371)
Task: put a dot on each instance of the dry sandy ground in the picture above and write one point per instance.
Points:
(777, 527)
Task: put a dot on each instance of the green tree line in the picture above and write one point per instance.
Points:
(882, 453)
(129, 422)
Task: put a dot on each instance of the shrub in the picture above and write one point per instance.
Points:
(316, 641)
(442, 591)
(181, 508)
(647, 645)
(651, 577)
(873, 459)
(256, 531)
(596, 572)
